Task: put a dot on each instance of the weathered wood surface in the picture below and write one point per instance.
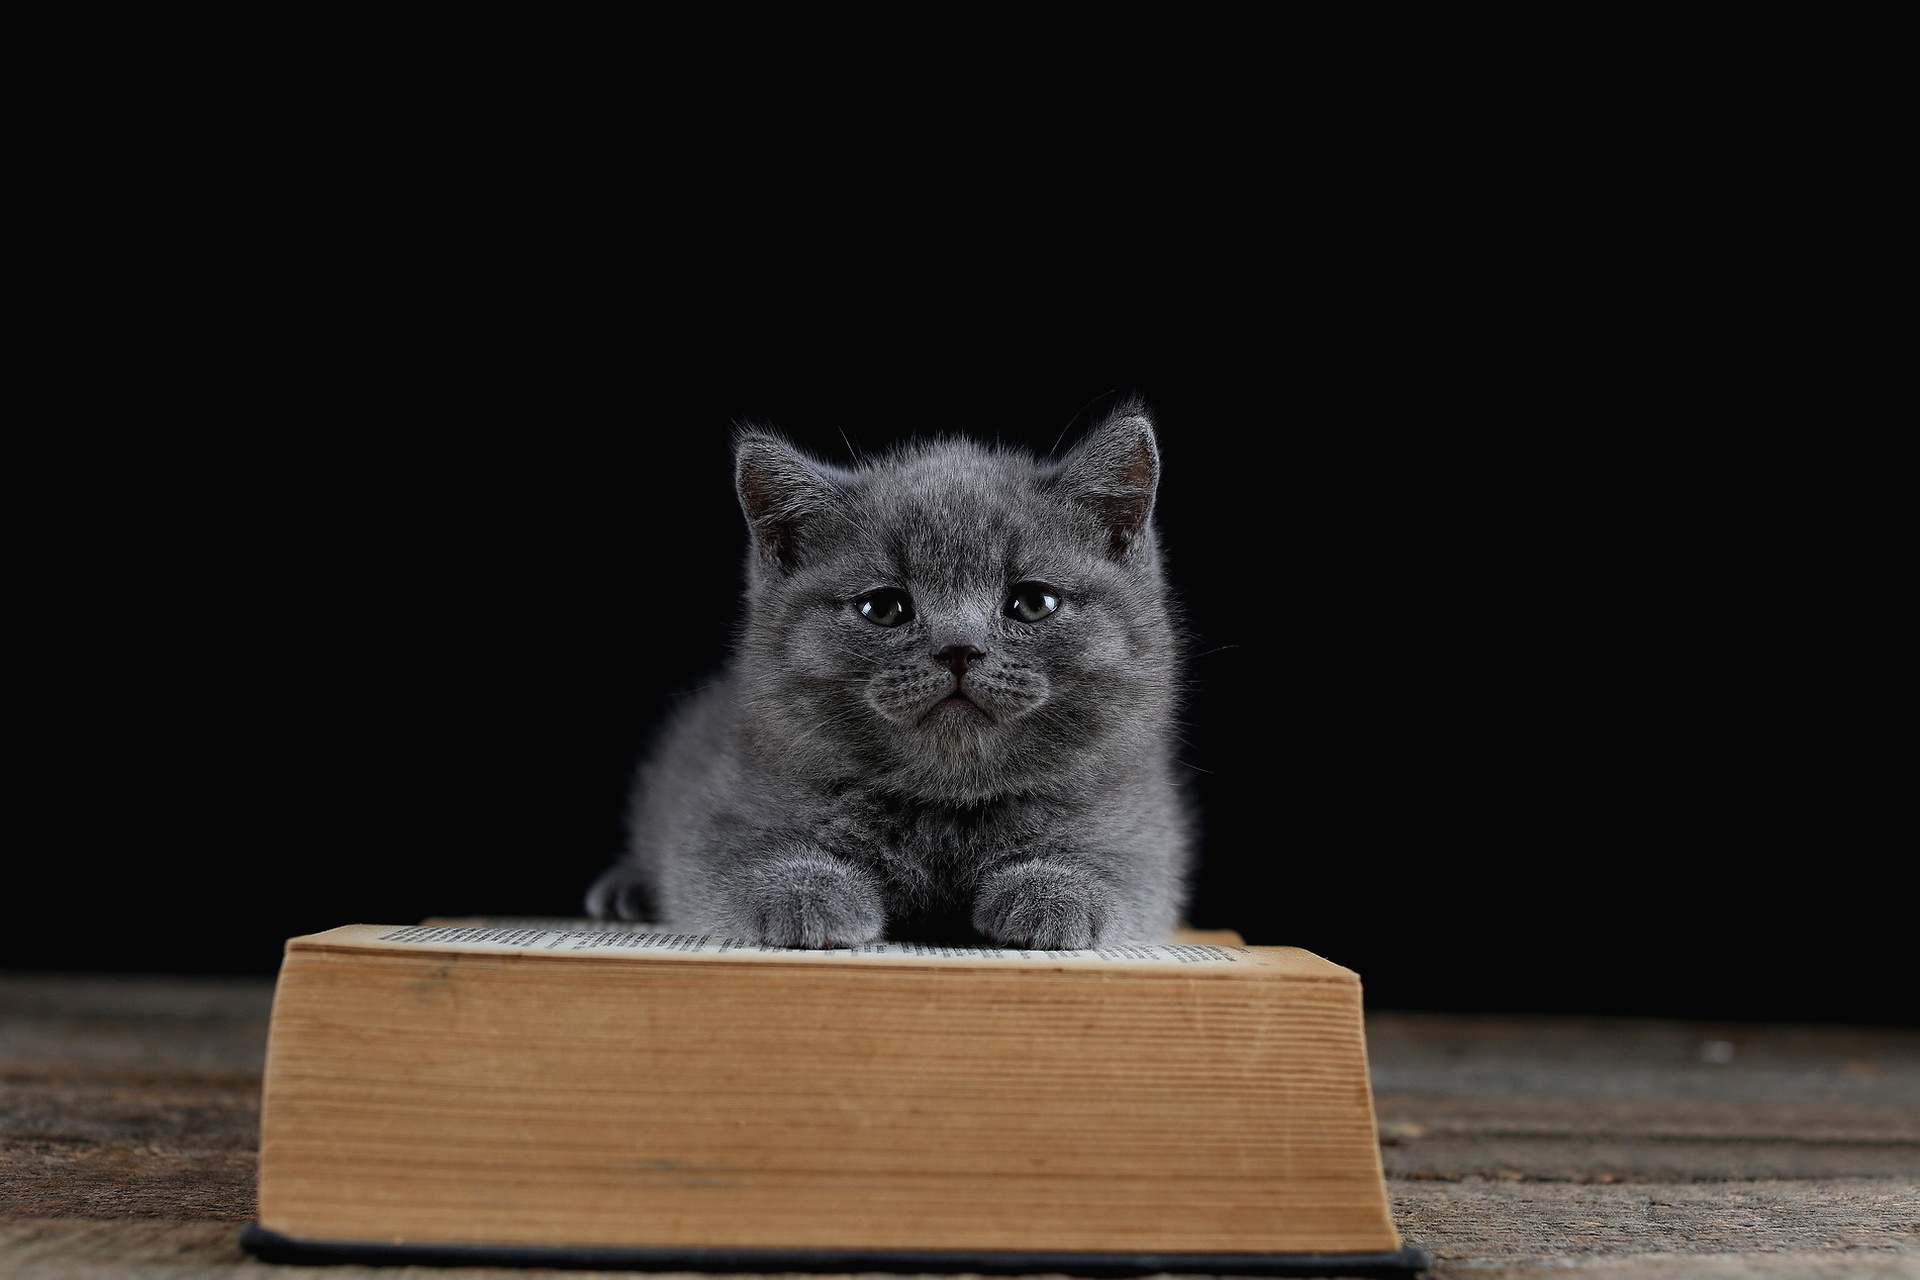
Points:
(1515, 1147)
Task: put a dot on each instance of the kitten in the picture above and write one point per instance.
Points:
(949, 714)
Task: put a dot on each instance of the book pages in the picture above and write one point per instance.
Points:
(568, 937)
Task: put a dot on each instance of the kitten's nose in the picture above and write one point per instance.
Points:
(955, 657)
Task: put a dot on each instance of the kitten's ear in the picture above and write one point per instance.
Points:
(780, 490)
(1114, 472)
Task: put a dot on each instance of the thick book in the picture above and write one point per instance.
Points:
(554, 1093)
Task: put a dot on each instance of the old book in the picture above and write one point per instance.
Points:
(550, 1093)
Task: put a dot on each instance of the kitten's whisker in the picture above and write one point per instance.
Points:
(1075, 418)
(692, 689)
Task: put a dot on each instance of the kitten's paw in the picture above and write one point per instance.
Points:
(1045, 906)
(813, 902)
(620, 894)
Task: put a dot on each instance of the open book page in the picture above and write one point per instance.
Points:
(565, 936)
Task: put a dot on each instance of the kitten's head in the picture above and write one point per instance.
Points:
(954, 620)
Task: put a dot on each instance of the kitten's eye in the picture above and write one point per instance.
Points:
(1032, 601)
(886, 607)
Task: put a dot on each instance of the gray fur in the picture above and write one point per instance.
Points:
(827, 790)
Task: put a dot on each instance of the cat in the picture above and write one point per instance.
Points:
(949, 714)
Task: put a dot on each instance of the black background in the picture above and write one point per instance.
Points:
(372, 540)
(1475, 709)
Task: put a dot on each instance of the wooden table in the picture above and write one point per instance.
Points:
(1515, 1147)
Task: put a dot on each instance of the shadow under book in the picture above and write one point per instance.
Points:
(556, 1093)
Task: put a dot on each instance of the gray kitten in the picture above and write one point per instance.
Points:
(949, 715)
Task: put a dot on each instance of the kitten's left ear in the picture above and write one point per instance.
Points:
(780, 490)
(1114, 472)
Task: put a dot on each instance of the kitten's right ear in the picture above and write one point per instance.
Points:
(780, 491)
(1114, 473)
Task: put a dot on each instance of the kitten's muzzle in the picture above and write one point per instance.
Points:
(958, 700)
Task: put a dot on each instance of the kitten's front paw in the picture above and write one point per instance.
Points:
(813, 902)
(620, 894)
(1045, 906)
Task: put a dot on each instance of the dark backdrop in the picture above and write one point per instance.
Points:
(1497, 696)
